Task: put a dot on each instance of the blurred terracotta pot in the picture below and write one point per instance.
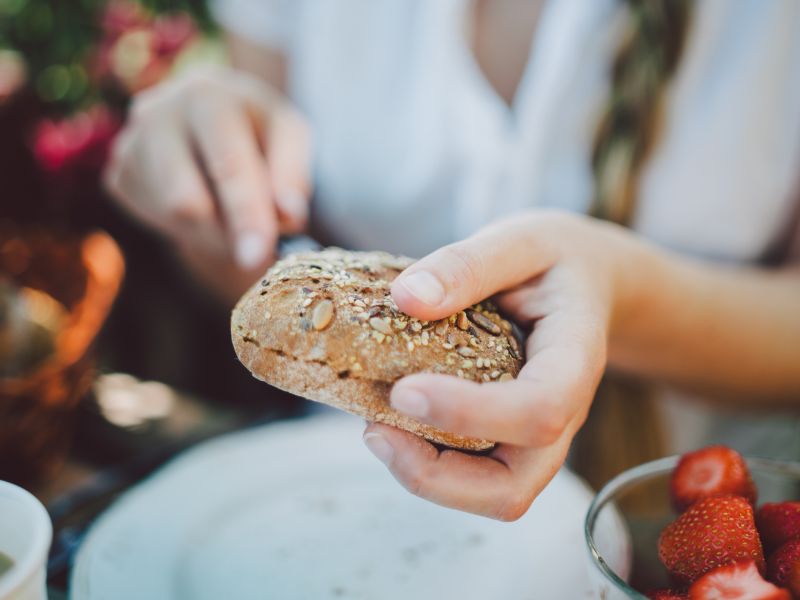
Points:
(38, 407)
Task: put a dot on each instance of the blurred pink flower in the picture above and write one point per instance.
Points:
(80, 141)
(120, 16)
(173, 33)
(137, 49)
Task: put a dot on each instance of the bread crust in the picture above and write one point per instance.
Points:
(322, 325)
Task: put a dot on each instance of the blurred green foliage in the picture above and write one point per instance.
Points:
(57, 38)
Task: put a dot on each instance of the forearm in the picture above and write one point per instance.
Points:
(729, 332)
(267, 64)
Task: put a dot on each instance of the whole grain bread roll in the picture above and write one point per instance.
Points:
(323, 325)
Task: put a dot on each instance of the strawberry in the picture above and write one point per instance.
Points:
(738, 581)
(778, 522)
(667, 595)
(783, 567)
(793, 581)
(711, 533)
(712, 471)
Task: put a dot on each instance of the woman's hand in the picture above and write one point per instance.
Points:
(563, 276)
(219, 162)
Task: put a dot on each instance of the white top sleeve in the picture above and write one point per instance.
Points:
(270, 23)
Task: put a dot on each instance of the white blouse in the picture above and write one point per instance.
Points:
(415, 149)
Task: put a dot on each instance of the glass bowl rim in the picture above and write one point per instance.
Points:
(644, 472)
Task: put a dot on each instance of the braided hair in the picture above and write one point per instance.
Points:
(646, 60)
(644, 65)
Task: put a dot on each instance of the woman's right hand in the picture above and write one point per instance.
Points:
(218, 161)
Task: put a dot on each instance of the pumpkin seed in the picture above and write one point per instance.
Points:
(322, 315)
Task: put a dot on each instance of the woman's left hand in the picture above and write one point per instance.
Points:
(568, 277)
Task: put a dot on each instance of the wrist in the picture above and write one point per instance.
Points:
(642, 276)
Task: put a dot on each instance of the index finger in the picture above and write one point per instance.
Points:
(228, 147)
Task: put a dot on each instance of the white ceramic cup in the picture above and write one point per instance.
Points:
(25, 535)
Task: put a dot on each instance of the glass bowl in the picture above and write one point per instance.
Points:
(626, 517)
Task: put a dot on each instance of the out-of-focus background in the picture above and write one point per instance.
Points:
(67, 71)
(110, 358)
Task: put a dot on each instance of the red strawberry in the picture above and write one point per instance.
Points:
(783, 567)
(778, 522)
(793, 581)
(712, 471)
(667, 595)
(712, 533)
(739, 581)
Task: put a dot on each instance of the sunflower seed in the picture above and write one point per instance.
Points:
(484, 322)
(466, 351)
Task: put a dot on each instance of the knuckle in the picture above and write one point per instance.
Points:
(455, 416)
(187, 209)
(294, 122)
(547, 423)
(140, 106)
(205, 79)
(121, 147)
(225, 166)
(120, 166)
(465, 268)
(416, 480)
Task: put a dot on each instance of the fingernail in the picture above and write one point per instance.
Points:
(294, 204)
(381, 448)
(425, 287)
(251, 250)
(410, 402)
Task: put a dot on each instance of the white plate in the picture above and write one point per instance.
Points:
(301, 510)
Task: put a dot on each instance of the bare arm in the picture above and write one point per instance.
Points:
(730, 332)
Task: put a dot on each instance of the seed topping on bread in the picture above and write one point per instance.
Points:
(323, 325)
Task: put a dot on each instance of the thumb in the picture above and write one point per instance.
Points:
(459, 275)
